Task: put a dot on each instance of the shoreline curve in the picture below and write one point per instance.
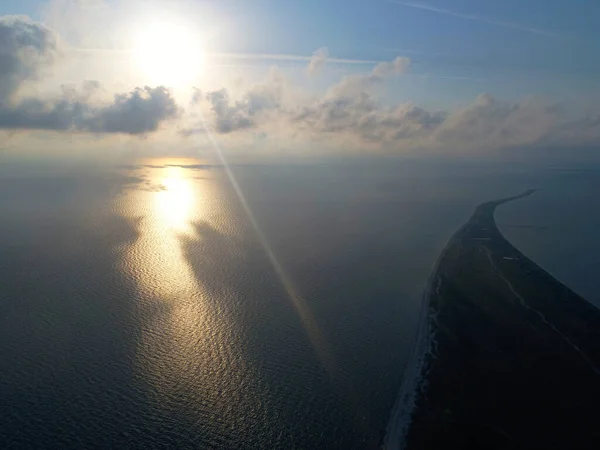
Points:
(415, 373)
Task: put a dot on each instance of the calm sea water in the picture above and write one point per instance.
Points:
(558, 227)
(146, 306)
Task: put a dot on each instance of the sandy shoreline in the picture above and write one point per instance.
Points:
(512, 359)
(415, 372)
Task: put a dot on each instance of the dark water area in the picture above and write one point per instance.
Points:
(558, 228)
(140, 307)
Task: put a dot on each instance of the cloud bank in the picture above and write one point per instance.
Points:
(351, 113)
(27, 52)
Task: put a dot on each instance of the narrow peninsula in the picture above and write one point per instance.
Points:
(511, 359)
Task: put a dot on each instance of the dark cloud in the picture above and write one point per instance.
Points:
(136, 112)
(36, 114)
(365, 118)
(27, 49)
(228, 116)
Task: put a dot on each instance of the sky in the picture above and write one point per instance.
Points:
(312, 76)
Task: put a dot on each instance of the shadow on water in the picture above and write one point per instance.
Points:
(286, 377)
(301, 405)
(270, 403)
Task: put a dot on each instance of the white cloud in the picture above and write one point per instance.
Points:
(317, 62)
(353, 85)
(391, 68)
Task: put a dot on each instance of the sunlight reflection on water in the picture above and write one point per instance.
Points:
(175, 201)
(147, 304)
(188, 349)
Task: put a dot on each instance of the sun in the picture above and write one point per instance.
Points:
(168, 53)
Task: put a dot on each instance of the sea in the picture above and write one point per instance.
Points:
(177, 303)
(559, 226)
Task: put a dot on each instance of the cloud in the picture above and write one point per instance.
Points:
(227, 115)
(317, 62)
(27, 50)
(137, 112)
(390, 68)
(476, 18)
(350, 114)
(364, 118)
(274, 102)
(491, 123)
(486, 124)
(355, 84)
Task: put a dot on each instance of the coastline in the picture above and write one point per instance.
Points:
(416, 367)
(487, 298)
(517, 353)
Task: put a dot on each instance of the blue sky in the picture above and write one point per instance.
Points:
(462, 56)
(515, 47)
(440, 44)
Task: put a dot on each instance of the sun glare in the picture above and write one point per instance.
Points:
(175, 201)
(168, 53)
